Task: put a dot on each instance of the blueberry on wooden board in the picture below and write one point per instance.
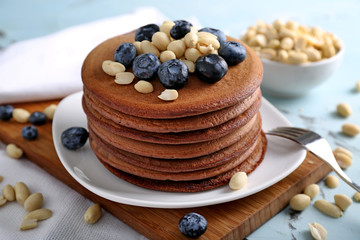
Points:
(192, 225)
(29, 132)
(6, 112)
(37, 118)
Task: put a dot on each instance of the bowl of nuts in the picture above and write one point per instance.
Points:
(296, 58)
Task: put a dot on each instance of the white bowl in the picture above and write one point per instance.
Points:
(288, 80)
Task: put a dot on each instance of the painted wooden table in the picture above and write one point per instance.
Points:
(316, 110)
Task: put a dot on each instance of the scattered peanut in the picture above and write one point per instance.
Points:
(343, 157)
(328, 208)
(21, 115)
(33, 202)
(356, 196)
(92, 214)
(342, 201)
(160, 40)
(144, 86)
(39, 214)
(14, 151)
(27, 224)
(357, 86)
(112, 68)
(299, 202)
(168, 95)
(22, 192)
(3, 201)
(178, 47)
(191, 39)
(318, 232)
(192, 54)
(312, 190)
(350, 129)
(308, 44)
(137, 45)
(124, 78)
(332, 181)
(189, 64)
(148, 47)
(238, 180)
(49, 111)
(8, 193)
(344, 109)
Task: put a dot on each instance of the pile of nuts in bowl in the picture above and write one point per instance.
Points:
(290, 42)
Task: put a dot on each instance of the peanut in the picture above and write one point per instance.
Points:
(3, 201)
(144, 87)
(357, 86)
(8, 193)
(350, 129)
(33, 202)
(124, 78)
(328, 208)
(167, 55)
(169, 95)
(238, 180)
(344, 109)
(332, 181)
(92, 214)
(297, 58)
(137, 45)
(189, 64)
(342, 201)
(14, 151)
(49, 111)
(192, 54)
(22, 192)
(166, 27)
(206, 38)
(28, 224)
(342, 159)
(178, 47)
(318, 232)
(312, 190)
(112, 68)
(191, 39)
(21, 115)
(39, 214)
(148, 47)
(160, 40)
(356, 196)
(299, 202)
(1, 178)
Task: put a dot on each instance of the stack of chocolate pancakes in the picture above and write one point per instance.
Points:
(192, 144)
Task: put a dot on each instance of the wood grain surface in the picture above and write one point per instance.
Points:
(232, 220)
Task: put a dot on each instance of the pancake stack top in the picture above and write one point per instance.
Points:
(194, 143)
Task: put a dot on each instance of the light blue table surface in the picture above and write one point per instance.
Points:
(25, 19)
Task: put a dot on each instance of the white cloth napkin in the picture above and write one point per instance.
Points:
(49, 67)
(44, 68)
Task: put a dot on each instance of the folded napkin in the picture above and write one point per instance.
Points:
(49, 67)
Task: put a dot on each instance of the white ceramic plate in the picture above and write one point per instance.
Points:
(281, 158)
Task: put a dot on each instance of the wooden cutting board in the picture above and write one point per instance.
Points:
(233, 220)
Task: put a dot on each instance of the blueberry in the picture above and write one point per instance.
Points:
(6, 112)
(125, 54)
(180, 29)
(232, 52)
(29, 132)
(192, 225)
(210, 68)
(74, 138)
(145, 66)
(37, 118)
(146, 32)
(173, 74)
(218, 33)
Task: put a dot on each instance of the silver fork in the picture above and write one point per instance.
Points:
(317, 145)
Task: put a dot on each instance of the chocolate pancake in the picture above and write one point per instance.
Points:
(170, 151)
(222, 156)
(172, 138)
(197, 185)
(197, 97)
(180, 176)
(183, 124)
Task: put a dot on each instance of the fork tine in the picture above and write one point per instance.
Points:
(283, 133)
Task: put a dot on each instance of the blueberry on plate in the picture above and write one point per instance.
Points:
(210, 68)
(218, 33)
(232, 52)
(37, 118)
(146, 32)
(6, 112)
(145, 66)
(173, 74)
(74, 138)
(125, 54)
(180, 29)
(192, 225)
(29, 132)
